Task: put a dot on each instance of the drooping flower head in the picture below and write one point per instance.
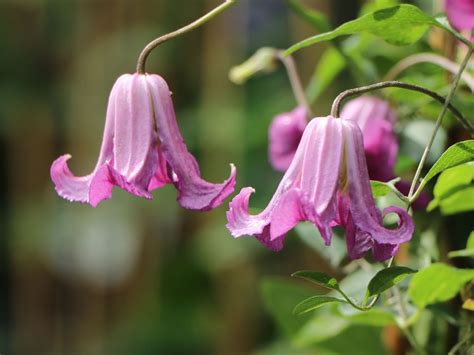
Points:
(142, 149)
(376, 119)
(460, 14)
(327, 184)
(284, 136)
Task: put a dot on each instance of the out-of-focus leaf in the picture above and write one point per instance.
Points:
(456, 154)
(279, 297)
(376, 317)
(312, 303)
(454, 192)
(321, 327)
(319, 278)
(333, 254)
(387, 278)
(330, 65)
(317, 19)
(437, 283)
(399, 25)
(468, 251)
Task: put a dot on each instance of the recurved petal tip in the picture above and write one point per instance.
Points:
(240, 222)
(198, 194)
(67, 185)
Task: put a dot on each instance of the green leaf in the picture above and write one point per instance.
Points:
(387, 278)
(379, 188)
(437, 283)
(469, 251)
(312, 303)
(456, 154)
(334, 254)
(376, 317)
(279, 297)
(317, 19)
(329, 66)
(399, 25)
(319, 278)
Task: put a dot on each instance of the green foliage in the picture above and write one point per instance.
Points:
(331, 64)
(468, 251)
(454, 191)
(437, 283)
(457, 154)
(319, 278)
(279, 297)
(387, 278)
(379, 188)
(334, 254)
(312, 303)
(399, 25)
(317, 19)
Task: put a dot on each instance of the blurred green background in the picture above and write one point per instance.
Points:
(135, 276)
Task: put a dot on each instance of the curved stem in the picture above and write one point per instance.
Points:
(412, 196)
(428, 58)
(295, 80)
(336, 106)
(202, 20)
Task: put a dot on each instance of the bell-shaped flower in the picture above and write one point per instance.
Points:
(327, 184)
(376, 119)
(284, 136)
(460, 14)
(142, 149)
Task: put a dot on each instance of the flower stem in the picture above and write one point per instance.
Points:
(411, 194)
(428, 58)
(336, 106)
(295, 80)
(202, 20)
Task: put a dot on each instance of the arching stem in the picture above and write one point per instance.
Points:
(336, 106)
(202, 20)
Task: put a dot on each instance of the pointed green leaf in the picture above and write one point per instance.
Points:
(469, 251)
(312, 303)
(379, 188)
(456, 154)
(319, 278)
(400, 25)
(387, 278)
(437, 283)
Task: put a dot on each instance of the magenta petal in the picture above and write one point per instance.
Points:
(382, 252)
(194, 192)
(362, 206)
(66, 184)
(162, 174)
(460, 13)
(285, 133)
(375, 118)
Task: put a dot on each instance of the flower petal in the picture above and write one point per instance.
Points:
(194, 192)
(362, 206)
(284, 135)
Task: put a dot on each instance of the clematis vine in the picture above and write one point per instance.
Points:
(327, 183)
(284, 135)
(142, 149)
(461, 14)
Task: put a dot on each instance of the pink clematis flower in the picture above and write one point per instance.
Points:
(375, 118)
(327, 184)
(284, 135)
(142, 149)
(460, 14)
